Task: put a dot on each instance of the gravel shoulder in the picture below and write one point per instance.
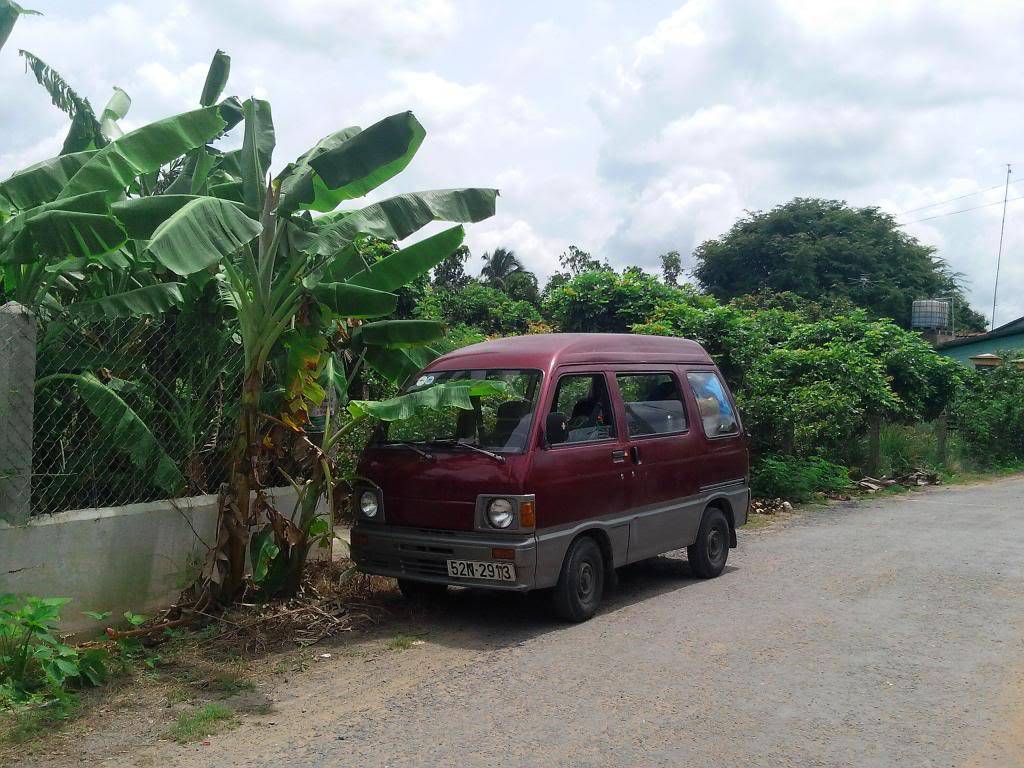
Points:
(877, 633)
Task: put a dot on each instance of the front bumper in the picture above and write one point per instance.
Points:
(422, 554)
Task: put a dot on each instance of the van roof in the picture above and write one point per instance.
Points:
(546, 350)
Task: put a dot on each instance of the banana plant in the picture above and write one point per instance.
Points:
(279, 550)
(67, 253)
(285, 272)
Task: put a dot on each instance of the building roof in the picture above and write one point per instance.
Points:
(1012, 328)
(546, 350)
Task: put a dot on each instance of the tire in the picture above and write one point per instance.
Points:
(710, 551)
(581, 582)
(421, 590)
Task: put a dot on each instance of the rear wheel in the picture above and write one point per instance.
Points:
(710, 551)
(581, 582)
(421, 590)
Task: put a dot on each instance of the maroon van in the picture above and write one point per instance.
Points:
(600, 450)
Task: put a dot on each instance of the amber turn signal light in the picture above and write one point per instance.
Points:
(503, 554)
(527, 515)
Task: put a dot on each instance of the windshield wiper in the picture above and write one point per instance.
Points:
(459, 444)
(425, 454)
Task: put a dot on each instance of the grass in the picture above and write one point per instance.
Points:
(963, 476)
(200, 723)
(26, 724)
(403, 642)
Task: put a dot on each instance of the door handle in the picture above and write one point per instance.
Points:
(618, 456)
(634, 454)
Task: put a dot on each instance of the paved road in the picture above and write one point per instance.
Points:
(879, 634)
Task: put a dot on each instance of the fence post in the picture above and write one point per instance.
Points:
(17, 391)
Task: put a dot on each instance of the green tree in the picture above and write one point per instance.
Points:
(671, 267)
(478, 306)
(576, 261)
(603, 301)
(820, 249)
(810, 382)
(450, 274)
(499, 266)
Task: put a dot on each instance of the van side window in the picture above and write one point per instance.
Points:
(653, 403)
(583, 398)
(715, 409)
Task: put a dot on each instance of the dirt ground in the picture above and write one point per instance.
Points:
(876, 633)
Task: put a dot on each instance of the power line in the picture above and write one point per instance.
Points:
(953, 199)
(962, 210)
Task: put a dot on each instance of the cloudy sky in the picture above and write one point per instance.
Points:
(626, 128)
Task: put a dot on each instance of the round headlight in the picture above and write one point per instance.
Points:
(368, 503)
(499, 513)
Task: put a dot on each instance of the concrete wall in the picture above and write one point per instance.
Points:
(131, 558)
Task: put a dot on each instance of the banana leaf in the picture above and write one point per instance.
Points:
(144, 150)
(216, 78)
(351, 163)
(398, 217)
(397, 365)
(200, 234)
(398, 333)
(9, 13)
(64, 234)
(354, 300)
(455, 394)
(150, 300)
(129, 434)
(257, 151)
(42, 182)
(404, 266)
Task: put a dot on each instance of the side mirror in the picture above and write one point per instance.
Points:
(556, 428)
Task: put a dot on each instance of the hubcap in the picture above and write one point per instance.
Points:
(716, 544)
(585, 585)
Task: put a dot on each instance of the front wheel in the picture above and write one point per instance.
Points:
(710, 551)
(581, 582)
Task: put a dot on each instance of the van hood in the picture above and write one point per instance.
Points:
(439, 493)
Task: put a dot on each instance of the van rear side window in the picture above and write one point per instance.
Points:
(716, 411)
(653, 403)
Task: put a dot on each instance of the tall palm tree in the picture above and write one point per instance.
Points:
(499, 266)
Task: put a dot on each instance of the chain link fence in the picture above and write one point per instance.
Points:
(125, 410)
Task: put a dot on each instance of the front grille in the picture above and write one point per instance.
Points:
(424, 548)
(410, 565)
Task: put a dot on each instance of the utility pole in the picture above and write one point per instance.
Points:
(999, 256)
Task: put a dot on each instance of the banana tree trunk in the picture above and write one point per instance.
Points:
(235, 514)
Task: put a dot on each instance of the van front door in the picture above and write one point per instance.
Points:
(664, 454)
(578, 476)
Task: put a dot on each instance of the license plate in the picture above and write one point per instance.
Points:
(475, 569)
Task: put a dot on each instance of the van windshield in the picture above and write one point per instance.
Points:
(499, 422)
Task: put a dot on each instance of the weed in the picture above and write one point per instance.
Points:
(403, 642)
(35, 666)
(29, 722)
(796, 479)
(200, 723)
(226, 684)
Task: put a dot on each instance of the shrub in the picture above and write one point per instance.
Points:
(477, 305)
(34, 663)
(988, 414)
(796, 479)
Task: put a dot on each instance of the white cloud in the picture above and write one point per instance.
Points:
(628, 129)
